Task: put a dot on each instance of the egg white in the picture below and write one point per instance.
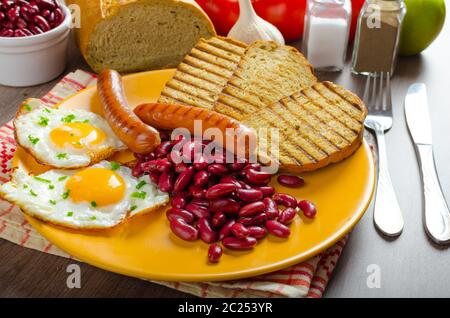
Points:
(43, 197)
(33, 134)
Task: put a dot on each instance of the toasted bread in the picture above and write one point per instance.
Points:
(318, 125)
(265, 74)
(203, 73)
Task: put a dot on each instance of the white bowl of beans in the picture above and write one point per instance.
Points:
(34, 37)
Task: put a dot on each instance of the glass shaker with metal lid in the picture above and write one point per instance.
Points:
(377, 36)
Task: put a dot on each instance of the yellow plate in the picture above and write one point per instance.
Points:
(145, 247)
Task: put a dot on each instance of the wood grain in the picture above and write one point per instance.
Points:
(410, 266)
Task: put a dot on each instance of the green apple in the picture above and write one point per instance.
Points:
(423, 22)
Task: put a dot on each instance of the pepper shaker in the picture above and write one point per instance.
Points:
(325, 38)
(378, 36)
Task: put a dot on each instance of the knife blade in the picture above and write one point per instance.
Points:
(417, 115)
(436, 211)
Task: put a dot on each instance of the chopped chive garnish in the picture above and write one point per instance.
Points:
(86, 121)
(134, 207)
(93, 204)
(139, 195)
(27, 107)
(62, 178)
(51, 186)
(68, 118)
(61, 156)
(46, 110)
(41, 179)
(43, 121)
(33, 140)
(93, 218)
(53, 202)
(25, 186)
(34, 194)
(141, 184)
(69, 213)
(114, 165)
(65, 195)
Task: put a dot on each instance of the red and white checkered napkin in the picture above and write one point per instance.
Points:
(307, 279)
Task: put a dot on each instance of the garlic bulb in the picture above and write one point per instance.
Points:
(250, 27)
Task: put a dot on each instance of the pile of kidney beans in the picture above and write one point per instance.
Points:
(218, 202)
(19, 18)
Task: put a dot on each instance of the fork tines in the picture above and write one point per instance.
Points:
(377, 93)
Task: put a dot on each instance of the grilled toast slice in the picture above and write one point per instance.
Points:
(266, 73)
(203, 73)
(318, 125)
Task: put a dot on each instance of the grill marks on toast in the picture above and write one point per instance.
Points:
(318, 125)
(266, 73)
(203, 73)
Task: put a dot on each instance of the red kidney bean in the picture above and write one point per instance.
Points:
(179, 202)
(6, 4)
(254, 166)
(257, 232)
(59, 18)
(271, 208)
(200, 163)
(249, 195)
(245, 185)
(189, 150)
(239, 230)
(45, 13)
(46, 4)
(160, 165)
(218, 219)
(252, 209)
(287, 216)
(7, 33)
(260, 219)
(225, 205)
(2, 16)
(234, 243)
(214, 253)
(13, 14)
(290, 181)
(202, 202)
(179, 213)
(8, 25)
(230, 179)
(257, 177)
(207, 234)
(183, 230)
(267, 191)
(145, 157)
(164, 135)
(308, 208)
(217, 169)
(225, 231)
(184, 179)
(180, 167)
(237, 166)
(165, 182)
(154, 176)
(285, 199)
(277, 229)
(21, 23)
(163, 149)
(41, 23)
(201, 178)
(197, 192)
(198, 210)
(19, 33)
(220, 190)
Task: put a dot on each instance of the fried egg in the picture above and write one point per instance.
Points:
(65, 139)
(97, 197)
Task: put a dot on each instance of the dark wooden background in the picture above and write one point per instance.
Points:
(410, 266)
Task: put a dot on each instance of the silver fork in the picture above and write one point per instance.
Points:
(377, 96)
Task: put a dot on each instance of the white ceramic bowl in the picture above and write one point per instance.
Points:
(36, 59)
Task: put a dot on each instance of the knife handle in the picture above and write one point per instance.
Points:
(387, 214)
(437, 214)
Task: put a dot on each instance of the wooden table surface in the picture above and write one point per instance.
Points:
(410, 266)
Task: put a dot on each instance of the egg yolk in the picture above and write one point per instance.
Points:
(98, 186)
(76, 134)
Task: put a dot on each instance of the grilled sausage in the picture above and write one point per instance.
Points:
(139, 137)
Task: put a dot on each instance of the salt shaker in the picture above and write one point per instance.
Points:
(377, 36)
(325, 38)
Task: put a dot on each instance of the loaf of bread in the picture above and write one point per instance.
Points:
(138, 35)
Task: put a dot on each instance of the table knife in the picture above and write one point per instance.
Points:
(436, 211)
